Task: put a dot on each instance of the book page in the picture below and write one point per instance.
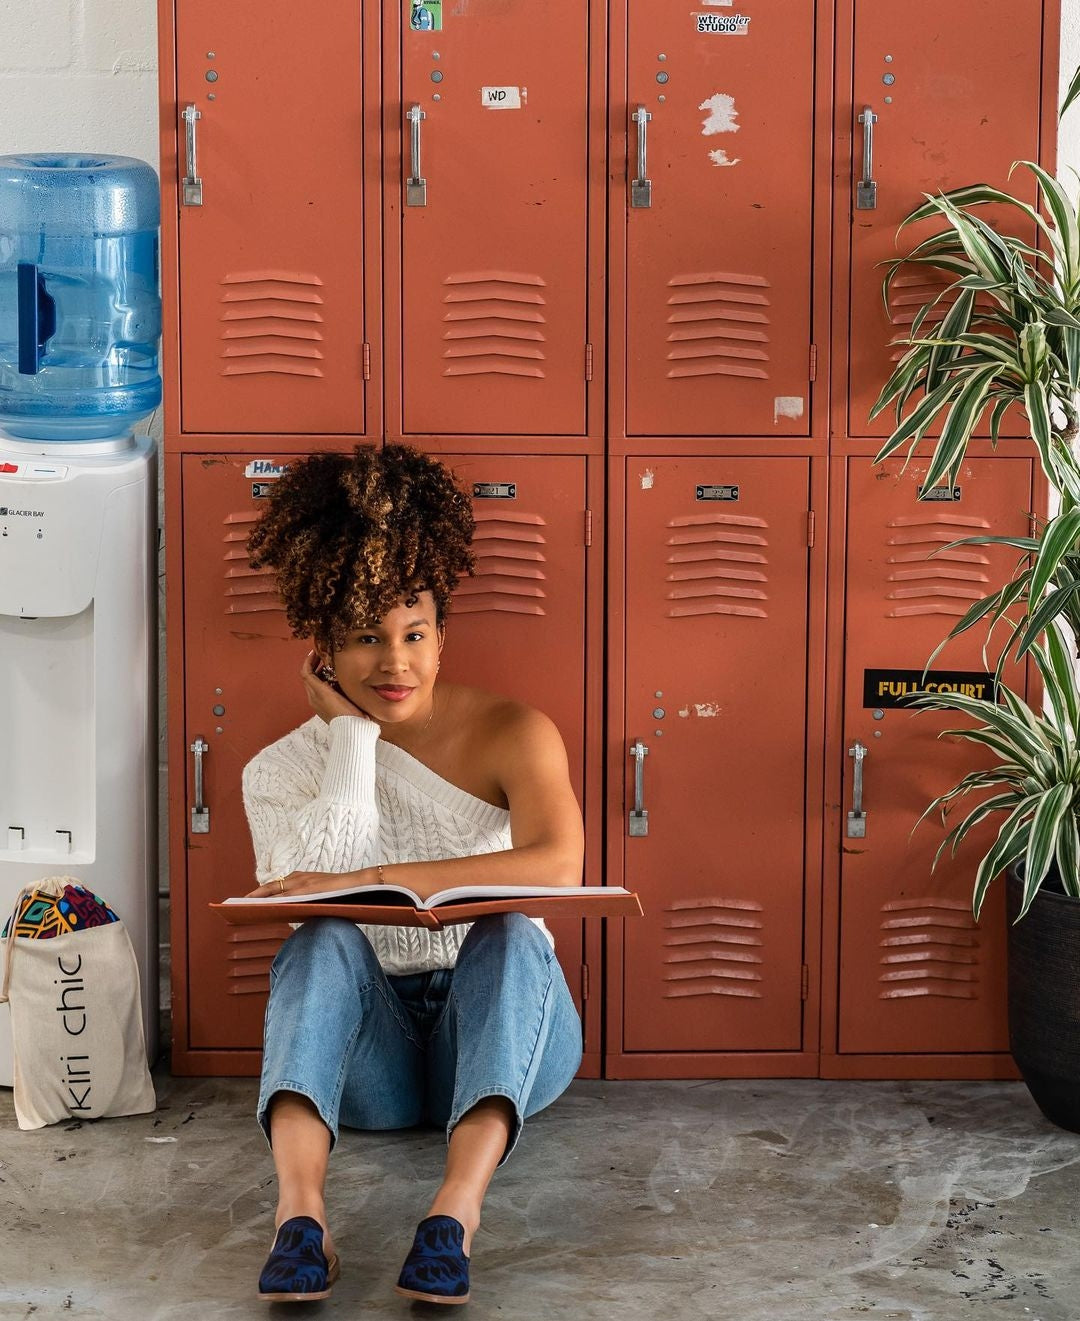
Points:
(463, 893)
(382, 895)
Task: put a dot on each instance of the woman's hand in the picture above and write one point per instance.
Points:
(300, 883)
(326, 700)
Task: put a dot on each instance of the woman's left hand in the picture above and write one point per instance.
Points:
(300, 883)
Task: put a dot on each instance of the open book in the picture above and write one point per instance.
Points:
(397, 905)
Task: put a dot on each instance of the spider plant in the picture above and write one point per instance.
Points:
(1037, 782)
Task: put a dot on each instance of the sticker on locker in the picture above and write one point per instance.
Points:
(426, 16)
(503, 98)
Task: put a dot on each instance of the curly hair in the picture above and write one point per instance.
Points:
(350, 534)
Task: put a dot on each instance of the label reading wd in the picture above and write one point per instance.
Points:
(494, 490)
(724, 25)
(895, 688)
(717, 493)
(939, 493)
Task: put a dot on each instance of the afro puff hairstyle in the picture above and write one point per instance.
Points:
(349, 535)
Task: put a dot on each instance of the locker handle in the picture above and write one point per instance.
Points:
(415, 184)
(866, 191)
(200, 813)
(639, 817)
(856, 818)
(192, 182)
(641, 187)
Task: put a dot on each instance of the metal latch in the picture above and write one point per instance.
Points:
(200, 814)
(856, 818)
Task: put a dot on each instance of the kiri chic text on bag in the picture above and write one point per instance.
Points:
(72, 982)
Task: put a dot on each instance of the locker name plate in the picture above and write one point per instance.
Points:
(717, 493)
(939, 493)
(894, 688)
(494, 490)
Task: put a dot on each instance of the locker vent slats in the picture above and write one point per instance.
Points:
(709, 575)
(708, 312)
(712, 947)
(510, 565)
(494, 324)
(930, 949)
(944, 585)
(251, 952)
(269, 324)
(248, 591)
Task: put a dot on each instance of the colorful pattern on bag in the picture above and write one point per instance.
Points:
(42, 916)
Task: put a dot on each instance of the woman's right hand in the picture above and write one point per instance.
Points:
(326, 700)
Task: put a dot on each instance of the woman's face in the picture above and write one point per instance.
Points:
(388, 669)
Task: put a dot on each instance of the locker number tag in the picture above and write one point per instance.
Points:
(723, 25)
(939, 493)
(494, 490)
(717, 493)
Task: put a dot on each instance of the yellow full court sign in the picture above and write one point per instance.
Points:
(892, 688)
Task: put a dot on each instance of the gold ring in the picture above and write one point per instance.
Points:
(281, 882)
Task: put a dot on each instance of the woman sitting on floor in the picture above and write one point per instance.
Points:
(398, 778)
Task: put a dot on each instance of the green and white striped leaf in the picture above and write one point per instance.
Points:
(1043, 839)
(960, 422)
(1010, 845)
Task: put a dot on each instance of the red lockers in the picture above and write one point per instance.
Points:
(718, 227)
(916, 973)
(948, 109)
(717, 566)
(492, 161)
(625, 272)
(272, 285)
(242, 691)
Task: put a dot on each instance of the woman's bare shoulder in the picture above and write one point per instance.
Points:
(490, 715)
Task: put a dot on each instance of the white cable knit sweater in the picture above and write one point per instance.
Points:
(335, 797)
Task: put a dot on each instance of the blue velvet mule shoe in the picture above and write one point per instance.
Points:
(436, 1269)
(297, 1270)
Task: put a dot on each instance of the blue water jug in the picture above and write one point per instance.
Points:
(80, 315)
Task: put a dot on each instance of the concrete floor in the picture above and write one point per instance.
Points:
(624, 1200)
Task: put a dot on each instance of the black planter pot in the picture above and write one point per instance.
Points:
(1044, 999)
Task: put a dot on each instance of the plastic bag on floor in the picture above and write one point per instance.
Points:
(72, 980)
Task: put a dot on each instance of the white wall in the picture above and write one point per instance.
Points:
(81, 75)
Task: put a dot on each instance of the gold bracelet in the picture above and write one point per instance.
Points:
(382, 878)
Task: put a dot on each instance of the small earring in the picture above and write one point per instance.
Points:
(328, 674)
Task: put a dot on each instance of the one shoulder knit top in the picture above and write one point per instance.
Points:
(335, 797)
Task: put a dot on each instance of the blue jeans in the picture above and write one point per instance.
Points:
(375, 1051)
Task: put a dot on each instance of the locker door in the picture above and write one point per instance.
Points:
(916, 973)
(520, 621)
(952, 109)
(719, 264)
(494, 258)
(272, 263)
(240, 657)
(716, 569)
(518, 627)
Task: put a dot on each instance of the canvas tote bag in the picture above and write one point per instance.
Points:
(72, 981)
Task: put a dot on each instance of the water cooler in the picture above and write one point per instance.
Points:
(79, 327)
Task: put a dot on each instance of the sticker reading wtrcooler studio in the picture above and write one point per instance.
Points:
(723, 25)
(897, 688)
(426, 15)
